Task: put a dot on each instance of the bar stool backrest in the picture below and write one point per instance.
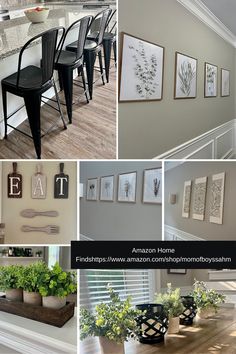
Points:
(80, 27)
(99, 25)
(48, 41)
(111, 24)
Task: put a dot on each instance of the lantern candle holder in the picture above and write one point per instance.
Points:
(153, 323)
(190, 311)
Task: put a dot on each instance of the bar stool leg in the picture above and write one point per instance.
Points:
(67, 82)
(101, 67)
(107, 45)
(59, 104)
(32, 104)
(4, 102)
(114, 50)
(84, 83)
(89, 58)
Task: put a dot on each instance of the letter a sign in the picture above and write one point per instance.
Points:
(14, 183)
(61, 184)
(39, 184)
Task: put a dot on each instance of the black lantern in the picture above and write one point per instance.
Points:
(153, 323)
(190, 311)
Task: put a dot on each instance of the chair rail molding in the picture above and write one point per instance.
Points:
(173, 234)
(217, 143)
(201, 11)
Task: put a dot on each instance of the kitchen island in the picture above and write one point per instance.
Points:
(14, 33)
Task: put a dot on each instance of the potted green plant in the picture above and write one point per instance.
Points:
(31, 280)
(112, 322)
(173, 306)
(9, 282)
(56, 284)
(206, 300)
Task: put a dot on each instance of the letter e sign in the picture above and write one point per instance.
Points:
(61, 184)
(14, 183)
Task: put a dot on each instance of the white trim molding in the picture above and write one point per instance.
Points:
(201, 11)
(217, 143)
(173, 234)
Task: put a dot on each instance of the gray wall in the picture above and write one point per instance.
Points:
(147, 129)
(174, 183)
(179, 280)
(114, 220)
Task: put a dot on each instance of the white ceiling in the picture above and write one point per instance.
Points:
(225, 11)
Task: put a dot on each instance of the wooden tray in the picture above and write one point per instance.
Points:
(46, 315)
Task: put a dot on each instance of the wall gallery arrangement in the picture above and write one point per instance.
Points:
(126, 187)
(199, 198)
(142, 73)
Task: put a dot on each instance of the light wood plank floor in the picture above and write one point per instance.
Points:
(92, 135)
(216, 335)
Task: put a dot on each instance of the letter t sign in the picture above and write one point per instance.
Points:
(61, 184)
(14, 183)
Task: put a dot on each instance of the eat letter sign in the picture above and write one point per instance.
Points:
(14, 183)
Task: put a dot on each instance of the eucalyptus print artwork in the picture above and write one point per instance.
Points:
(141, 76)
(210, 80)
(185, 76)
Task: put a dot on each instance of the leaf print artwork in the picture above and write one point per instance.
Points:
(217, 198)
(142, 64)
(210, 80)
(145, 70)
(199, 198)
(186, 75)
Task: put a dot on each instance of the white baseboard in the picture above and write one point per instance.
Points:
(173, 234)
(218, 143)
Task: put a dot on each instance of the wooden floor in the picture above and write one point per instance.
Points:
(216, 335)
(92, 135)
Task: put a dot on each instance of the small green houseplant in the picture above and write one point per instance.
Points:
(9, 282)
(30, 280)
(56, 284)
(112, 322)
(173, 306)
(207, 300)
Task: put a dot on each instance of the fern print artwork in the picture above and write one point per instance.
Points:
(186, 76)
(141, 70)
(210, 80)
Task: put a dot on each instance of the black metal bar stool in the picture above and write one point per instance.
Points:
(31, 82)
(93, 48)
(67, 61)
(109, 41)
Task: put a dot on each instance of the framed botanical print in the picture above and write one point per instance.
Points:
(186, 199)
(199, 198)
(107, 188)
(185, 76)
(225, 83)
(211, 74)
(92, 189)
(141, 70)
(152, 186)
(217, 198)
(177, 271)
(127, 187)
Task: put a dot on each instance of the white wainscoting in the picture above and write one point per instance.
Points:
(173, 234)
(218, 143)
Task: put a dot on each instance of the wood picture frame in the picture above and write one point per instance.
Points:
(92, 189)
(185, 83)
(186, 199)
(152, 185)
(177, 271)
(140, 59)
(210, 80)
(225, 83)
(107, 188)
(127, 185)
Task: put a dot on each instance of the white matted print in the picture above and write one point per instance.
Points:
(152, 186)
(210, 80)
(199, 198)
(185, 76)
(186, 199)
(92, 189)
(217, 198)
(225, 83)
(107, 188)
(127, 187)
(141, 75)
